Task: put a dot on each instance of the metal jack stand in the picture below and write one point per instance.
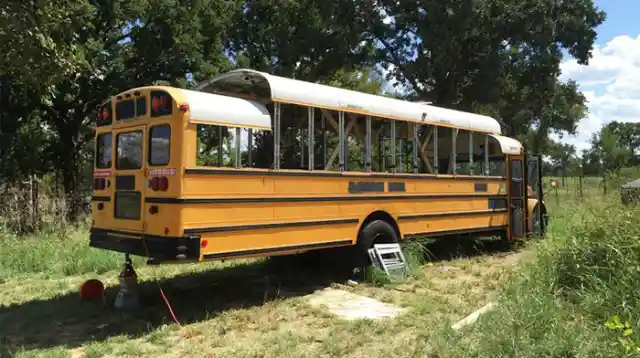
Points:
(127, 297)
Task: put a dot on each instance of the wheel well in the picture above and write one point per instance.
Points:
(381, 215)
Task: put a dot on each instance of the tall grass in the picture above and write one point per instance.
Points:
(584, 273)
(61, 252)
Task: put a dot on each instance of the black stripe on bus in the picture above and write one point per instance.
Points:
(158, 200)
(483, 229)
(268, 226)
(440, 215)
(336, 174)
(318, 245)
(100, 198)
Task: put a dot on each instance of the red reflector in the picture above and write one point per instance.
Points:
(204, 243)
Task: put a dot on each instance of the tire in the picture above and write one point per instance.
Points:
(538, 223)
(376, 232)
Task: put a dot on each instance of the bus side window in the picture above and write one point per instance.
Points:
(213, 146)
(470, 153)
(355, 132)
(230, 147)
(445, 150)
(427, 143)
(294, 137)
(380, 145)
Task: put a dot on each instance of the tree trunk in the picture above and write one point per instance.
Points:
(69, 167)
(70, 181)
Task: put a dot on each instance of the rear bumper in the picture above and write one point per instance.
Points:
(157, 248)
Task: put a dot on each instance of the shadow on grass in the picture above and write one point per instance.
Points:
(67, 321)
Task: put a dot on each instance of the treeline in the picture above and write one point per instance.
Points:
(62, 58)
(613, 152)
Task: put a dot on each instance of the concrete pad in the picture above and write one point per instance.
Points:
(351, 306)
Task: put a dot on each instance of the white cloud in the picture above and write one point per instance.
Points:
(611, 84)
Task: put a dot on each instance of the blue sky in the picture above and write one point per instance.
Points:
(622, 18)
(611, 81)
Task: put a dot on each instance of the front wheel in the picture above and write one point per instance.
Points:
(538, 222)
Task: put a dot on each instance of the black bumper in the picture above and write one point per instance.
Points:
(157, 248)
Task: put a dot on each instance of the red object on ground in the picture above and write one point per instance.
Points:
(91, 290)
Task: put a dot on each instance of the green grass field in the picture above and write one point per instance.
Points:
(554, 297)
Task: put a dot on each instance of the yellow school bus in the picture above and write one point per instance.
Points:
(251, 164)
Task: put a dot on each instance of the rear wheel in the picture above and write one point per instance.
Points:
(375, 232)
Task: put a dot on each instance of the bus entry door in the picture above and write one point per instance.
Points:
(517, 197)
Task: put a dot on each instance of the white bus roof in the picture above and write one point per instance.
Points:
(287, 90)
(213, 109)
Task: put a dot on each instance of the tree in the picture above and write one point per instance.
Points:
(305, 39)
(562, 156)
(497, 57)
(613, 148)
(107, 47)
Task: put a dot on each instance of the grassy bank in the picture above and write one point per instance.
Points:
(585, 273)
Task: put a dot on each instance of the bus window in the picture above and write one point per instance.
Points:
(355, 131)
(129, 150)
(327, 141)
(404, 147)
(125, 110)
(161, 104)
(427, 145)
(380, 145)
(446, 144)
(103, 151)
(104, 117)
(211, 145)
(293, 137)
(160, 145)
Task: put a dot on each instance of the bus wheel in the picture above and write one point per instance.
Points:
(538, 227)
(376, 232)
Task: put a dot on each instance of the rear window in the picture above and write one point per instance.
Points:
(160, 145)
(104, 115)
(103, 151)
(129, 150)
(125, 110)
(161, 103)
(141, 106)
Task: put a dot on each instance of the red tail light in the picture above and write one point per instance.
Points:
(99, 184)
(164, 184)
(154, 183)
(159, 183)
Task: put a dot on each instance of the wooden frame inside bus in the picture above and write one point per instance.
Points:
(418, 147)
